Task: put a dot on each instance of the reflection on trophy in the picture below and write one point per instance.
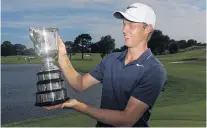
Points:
(50, 86)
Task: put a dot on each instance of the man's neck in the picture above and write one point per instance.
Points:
(135, 53)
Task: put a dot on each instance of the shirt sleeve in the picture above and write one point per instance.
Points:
(150, 86)
(98, 71)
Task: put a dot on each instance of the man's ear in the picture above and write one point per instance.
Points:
(148, 29)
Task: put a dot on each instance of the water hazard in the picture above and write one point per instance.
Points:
(18, 88)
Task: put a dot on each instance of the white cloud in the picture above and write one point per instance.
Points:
(16, 5)
(180, 19)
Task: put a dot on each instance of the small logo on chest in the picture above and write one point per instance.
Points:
(138, 65)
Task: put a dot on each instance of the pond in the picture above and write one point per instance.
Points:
(18, 88)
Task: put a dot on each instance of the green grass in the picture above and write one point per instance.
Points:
(183, 103)
(69, 120)
(198, 53)
(18, 60)
(84, 65)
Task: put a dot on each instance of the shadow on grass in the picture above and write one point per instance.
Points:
(193, 59)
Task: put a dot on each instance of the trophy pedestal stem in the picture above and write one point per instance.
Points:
(48, 65)
(48, 60)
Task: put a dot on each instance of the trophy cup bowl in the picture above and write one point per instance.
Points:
(50, 86)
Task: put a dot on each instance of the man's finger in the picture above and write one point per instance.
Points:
(60, 40)
(52, 107)
(48, 108)
(62, 105)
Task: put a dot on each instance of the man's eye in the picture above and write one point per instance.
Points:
(132, 26)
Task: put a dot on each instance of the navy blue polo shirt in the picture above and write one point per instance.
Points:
(142, 79)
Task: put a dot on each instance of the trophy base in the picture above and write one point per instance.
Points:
(51, 103)
(50, 88)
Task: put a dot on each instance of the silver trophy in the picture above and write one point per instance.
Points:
(50, 86)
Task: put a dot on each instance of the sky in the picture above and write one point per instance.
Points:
(179, 19)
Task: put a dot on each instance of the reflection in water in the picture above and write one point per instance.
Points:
(18, 88)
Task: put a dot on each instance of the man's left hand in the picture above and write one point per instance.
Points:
(69, 104)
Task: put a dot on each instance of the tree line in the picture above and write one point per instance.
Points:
(159, 44)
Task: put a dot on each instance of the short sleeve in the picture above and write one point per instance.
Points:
(98, 71)
(150, 85)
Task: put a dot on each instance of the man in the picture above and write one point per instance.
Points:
(132, 80)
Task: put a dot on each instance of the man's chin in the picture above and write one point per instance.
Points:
(128, 43)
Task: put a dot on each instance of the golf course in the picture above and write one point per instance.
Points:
(181, 104)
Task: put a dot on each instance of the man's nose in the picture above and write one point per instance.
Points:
(125, 29)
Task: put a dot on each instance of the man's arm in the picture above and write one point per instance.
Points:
(133, 111)
(78, 82)
(143, 96)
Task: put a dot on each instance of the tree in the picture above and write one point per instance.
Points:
(164, 42)
(68, 45)
(116, 50)
(183, 44)
(191, 42)
(154, 40)
(106, 45)
(200, 44)
(19, 48)
(94, 48)
(158, 42)
(123, 48)
(173, 47)
(7, 49)
(29, 51)
(82, 42)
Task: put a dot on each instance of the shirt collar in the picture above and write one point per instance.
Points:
(146, 55)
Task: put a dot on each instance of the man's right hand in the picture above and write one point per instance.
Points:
(61, 49)
(78, 82)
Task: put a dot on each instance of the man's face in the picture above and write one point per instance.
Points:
(134, 33)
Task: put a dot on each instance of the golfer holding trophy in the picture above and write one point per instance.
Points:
(131, 80)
